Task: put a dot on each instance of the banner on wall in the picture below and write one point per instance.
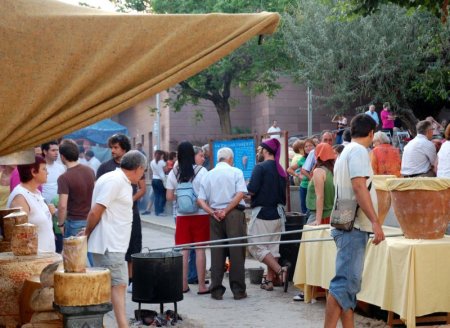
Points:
(244, 149)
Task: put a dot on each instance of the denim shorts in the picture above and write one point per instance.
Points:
(115, 262)
(351, 248)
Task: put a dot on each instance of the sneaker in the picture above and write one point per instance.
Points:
(299, 297)
(146, 213)
(130, 288)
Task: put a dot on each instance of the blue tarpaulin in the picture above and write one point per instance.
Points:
(99, 132)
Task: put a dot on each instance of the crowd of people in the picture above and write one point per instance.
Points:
(68, 192)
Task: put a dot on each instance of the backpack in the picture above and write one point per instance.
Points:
(186, 196)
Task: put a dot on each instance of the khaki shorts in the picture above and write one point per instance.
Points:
(259, 227)
(115, 262)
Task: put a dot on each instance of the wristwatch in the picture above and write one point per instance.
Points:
(61, 225)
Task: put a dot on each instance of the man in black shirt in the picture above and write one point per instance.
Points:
(120, 145)
(267, 188)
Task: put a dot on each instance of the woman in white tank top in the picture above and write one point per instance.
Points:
(27, 196)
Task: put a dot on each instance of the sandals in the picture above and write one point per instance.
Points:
(284, 277)
(267, 285)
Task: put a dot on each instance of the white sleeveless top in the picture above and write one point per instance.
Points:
(39, 215)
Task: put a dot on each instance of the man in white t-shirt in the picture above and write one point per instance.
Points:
(273, 129)
(109, 225)
(352, 180)
(92, 161)
(50, 150)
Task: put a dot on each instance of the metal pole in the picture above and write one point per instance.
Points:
(158, 123)
(309, 92)
(272, 242)
(239, 238)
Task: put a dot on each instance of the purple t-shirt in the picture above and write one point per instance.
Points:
(387, 123)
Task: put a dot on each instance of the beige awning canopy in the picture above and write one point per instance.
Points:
(65, 67)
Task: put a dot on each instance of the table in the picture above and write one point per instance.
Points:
(407, 276)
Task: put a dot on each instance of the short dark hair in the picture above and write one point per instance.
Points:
(347, 135)
(46, 146)
(361, 125)
(121, 139)
(26, 171)
(89, 154)
(69, 149)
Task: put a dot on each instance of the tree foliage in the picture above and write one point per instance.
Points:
(439, 8)
(387, 56)
(253, 67)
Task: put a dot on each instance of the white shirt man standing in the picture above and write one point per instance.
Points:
(92, 161)
(221, 196)
(419, 155)
(109, 225)
(373, 114)
(274, 129)
(50, 150)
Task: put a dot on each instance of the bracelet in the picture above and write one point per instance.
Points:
(61, 225)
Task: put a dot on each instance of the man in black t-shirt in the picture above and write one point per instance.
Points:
(120, 145)
(267, 188)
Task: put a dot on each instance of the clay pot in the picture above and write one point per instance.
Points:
(383, 195)
(422, 214)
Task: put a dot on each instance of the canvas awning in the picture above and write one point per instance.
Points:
(65, 67)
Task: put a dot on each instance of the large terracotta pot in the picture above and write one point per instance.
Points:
(383, 195)
(422, 206)
(14, 270)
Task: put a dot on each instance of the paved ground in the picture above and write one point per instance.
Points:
(261, 308)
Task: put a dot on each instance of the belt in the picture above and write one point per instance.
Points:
(413, 175)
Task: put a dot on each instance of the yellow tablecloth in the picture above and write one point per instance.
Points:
(406, 276)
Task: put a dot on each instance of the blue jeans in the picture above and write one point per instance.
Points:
(160, 196)
(303, 192)
(72, 228)
(351, 248)
(192, 271)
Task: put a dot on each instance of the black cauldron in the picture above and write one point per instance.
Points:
(157, 277)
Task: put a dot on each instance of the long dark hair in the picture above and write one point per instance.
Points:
(186, 160)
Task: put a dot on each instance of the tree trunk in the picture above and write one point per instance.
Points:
(223, 109)
(407, 116)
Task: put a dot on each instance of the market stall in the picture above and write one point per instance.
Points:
(405, 276)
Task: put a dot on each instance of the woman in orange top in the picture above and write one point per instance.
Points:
(384, 157)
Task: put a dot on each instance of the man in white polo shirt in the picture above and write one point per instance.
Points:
(419, 156)
(109, 225)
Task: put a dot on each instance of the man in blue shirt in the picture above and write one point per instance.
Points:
(373, 114)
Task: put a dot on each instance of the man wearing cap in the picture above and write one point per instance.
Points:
(221, 196)
(267, 188)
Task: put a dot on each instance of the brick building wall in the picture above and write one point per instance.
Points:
(251, 113)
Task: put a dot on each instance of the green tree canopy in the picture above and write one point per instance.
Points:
(439, 8)
(254, 67)
(388, 56)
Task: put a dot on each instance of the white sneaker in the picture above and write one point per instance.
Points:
(130, 288)
(299, 297)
